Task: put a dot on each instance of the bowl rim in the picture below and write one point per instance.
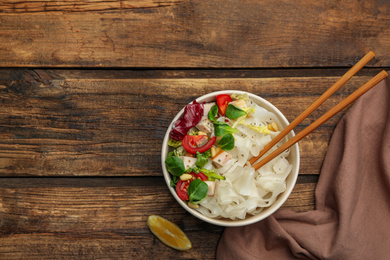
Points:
(251, 219)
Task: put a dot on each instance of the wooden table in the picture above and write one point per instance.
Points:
(88, 89)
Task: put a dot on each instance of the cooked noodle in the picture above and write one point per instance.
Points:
(246, 191)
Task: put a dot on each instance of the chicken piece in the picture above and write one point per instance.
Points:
(189, 162)
(221, 158)
(206, 109)
(205, 125)
(211, 185)
(239, 103)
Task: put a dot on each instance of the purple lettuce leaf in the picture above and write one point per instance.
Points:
(192, 115)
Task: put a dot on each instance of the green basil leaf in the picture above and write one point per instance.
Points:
(213, 113)
(175, 165)
(174, 181)
(202, 158)
(221, 129)
(234, 112)
(227, 142)
(197, 191)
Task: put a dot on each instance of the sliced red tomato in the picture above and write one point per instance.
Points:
(222, 102)
(182, 186)
(197, 143)
(181, 189)
(199, 175)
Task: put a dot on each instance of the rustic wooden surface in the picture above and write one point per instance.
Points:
(177, 33)
(88, 89)
(54, 125)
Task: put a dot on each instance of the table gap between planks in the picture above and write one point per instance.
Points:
(88, 89)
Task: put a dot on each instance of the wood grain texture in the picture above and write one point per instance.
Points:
(80, 167)
(36, 6)
(193, 34)
(115, 127)
(95, 218)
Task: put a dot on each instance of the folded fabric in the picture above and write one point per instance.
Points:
(352, 196)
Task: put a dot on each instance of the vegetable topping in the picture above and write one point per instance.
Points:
(197, 143)
(183, 186)
(223, 101)
(192, 115)
(209, 150)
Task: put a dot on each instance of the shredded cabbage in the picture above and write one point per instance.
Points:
(240, 96)
(260, 129)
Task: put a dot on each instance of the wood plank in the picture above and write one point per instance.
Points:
(148, 73)
(96, 218)
(115, 127)
(177, 33)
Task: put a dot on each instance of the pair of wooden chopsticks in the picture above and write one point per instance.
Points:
(363, 89)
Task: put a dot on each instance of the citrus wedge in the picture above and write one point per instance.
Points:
(168, 233)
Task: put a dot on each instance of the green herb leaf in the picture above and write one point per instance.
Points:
(189, 170)
(234, 112)
(197, 191)
(202, 158)
(227, 142)
(221, 129)
(213, 113)
(195, 169)
(174, 181)
(175, 165)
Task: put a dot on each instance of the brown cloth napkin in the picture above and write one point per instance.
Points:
(352, 215)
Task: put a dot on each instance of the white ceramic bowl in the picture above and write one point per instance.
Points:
(290, 181)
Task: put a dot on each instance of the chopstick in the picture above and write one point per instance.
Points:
(360, 91)
(349, 74)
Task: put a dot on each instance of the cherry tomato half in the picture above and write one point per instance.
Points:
(181, 189)
(223, 101)
(197, 143)
(182, 186)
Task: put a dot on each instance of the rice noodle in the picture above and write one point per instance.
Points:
(246, 191)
